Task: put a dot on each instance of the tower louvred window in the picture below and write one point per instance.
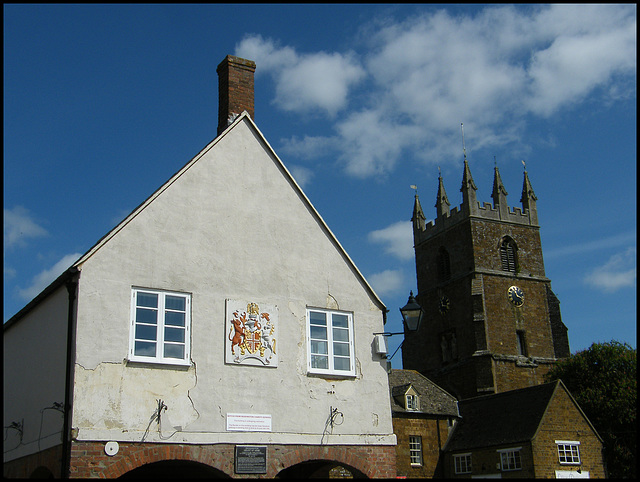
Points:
(508, 255)
(444, 265)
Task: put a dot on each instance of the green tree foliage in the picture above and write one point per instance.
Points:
(602, 379)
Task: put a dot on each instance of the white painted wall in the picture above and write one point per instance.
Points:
(34, 376)
(231, 225)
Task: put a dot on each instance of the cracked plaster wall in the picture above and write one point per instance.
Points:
(230, 227)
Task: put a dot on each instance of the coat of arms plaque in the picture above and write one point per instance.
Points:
(251, 333)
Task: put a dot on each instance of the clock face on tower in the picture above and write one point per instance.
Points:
(443, 305)
(515, 296)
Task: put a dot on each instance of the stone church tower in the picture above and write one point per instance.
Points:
(492, 323)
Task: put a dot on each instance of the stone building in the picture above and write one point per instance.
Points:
(534, 432)
(492, 322)
(423, 417)
(219, 330)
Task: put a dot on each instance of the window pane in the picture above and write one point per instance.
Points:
(319, 347)
(341, 364)
(318, 361)
(145, 332)
(319, 333)
(340, 335)
(341, 349)
(173, 351)
(174, 334)
(317, 318)
(341, 321)
(144, 348)
(144, 315)
(147, 299)
(173, 318)
(174, 303)
(415, 450)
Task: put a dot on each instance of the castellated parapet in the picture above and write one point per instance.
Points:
(471, 208)
(486, 211)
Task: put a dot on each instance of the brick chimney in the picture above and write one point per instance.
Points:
(235, 89)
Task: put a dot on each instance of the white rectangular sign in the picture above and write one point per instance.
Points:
(248, 422)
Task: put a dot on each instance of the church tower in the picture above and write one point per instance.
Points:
(491, 321)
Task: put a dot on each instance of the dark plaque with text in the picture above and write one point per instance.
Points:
(251, 459)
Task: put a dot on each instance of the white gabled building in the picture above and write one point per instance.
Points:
(220, 329)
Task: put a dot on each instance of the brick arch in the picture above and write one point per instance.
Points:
(89, 459)
(373, 461)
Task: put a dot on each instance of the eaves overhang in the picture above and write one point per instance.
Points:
(61, 280)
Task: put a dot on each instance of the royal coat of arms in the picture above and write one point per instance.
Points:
(251, 334)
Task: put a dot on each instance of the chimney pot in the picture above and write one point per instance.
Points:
(235, 89)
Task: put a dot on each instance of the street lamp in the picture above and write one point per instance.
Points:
(412, 314)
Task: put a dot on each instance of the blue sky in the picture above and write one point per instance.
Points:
(103, 103)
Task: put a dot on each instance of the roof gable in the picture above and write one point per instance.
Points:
(559, 385)
(243, 119)
(433, 399)
(251, 133)
(502, 418)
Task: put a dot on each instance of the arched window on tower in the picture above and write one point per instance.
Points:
(508, 255)
(444, 265)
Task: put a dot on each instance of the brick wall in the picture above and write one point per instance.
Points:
(235, 89)
(486, 461)
(88, 459)
(432, 442)
(563, 421)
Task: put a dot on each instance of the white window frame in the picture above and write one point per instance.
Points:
(412, 402)
(462, 463)
(331, 355)
(562, 452)
(510, 459)
(160, 326)
(415, 450)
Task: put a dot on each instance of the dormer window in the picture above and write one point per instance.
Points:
(412, 402)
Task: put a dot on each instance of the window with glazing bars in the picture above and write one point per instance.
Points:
(330, 342)
(568, 452)
(160, 326)
(415, 449)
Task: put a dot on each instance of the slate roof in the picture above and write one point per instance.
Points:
(502, 418)
(433, 399)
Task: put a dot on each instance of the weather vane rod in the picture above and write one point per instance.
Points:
(464, 150)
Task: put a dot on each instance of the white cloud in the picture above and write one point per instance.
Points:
(318, 81)
(302, 175)
(386, 282)
(396, 238)
(43, 279)
(427, 74)
(573, 66)
(304, 82)
(270, 57)
(19, 226)
(589, 246)
(308, 147)
(617, 273)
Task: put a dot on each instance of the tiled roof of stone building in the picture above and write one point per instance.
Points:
(433, 399)
(502, 418)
